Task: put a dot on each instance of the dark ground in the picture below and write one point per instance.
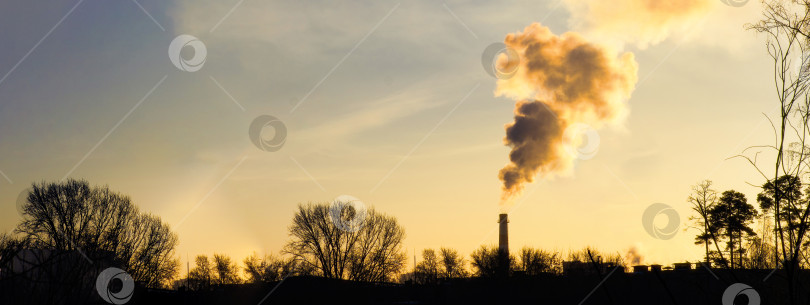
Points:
(667, 287)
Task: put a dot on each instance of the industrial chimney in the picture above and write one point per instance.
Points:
(503, 239)
(503, 247)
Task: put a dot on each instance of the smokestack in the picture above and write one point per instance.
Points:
(503, 239)
(503, 247)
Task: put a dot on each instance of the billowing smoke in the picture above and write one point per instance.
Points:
(633, 256)
(643, 22)
(560, 82)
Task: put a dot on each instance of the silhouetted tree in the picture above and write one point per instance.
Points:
(10, 245)
(370, 249)
(788, 218)
(264, 269)
(703, 199)
(378, 256)
(594, 257)
(271, 268)
(103, 226)
(448, 263)
(536, 261)
(427, 271)
(452, 263)
(257, 269)
(202, 275)
(760, 254)
(732, 215)
(785, 26)
(31, 275)
(227, 272)
(487, 262)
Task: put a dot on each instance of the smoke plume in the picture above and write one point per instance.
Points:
(560, 81)
(633, 256)
(644, 22)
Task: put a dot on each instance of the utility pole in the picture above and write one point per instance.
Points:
(414, 260)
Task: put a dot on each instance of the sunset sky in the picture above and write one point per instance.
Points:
(386, 101)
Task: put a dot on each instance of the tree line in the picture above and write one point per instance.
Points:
(435, 266)
(727, 224)
(73, 223)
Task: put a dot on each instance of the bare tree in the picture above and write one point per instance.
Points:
(369, 250)
(447, 263)
(703, 199)
(41, 276)
(101, 225)
(536, 261)
(785, 24)
(317, 242)
(264, 269)
(453, 264)
(427, 271)
(9, 247)
(488, 262)
(595, 257)
(202, 275)
(378, 255)
(271, 268)
(227, 272)
(149, 244)
(760, 254)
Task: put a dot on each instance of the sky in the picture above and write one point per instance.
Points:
(386, 101)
